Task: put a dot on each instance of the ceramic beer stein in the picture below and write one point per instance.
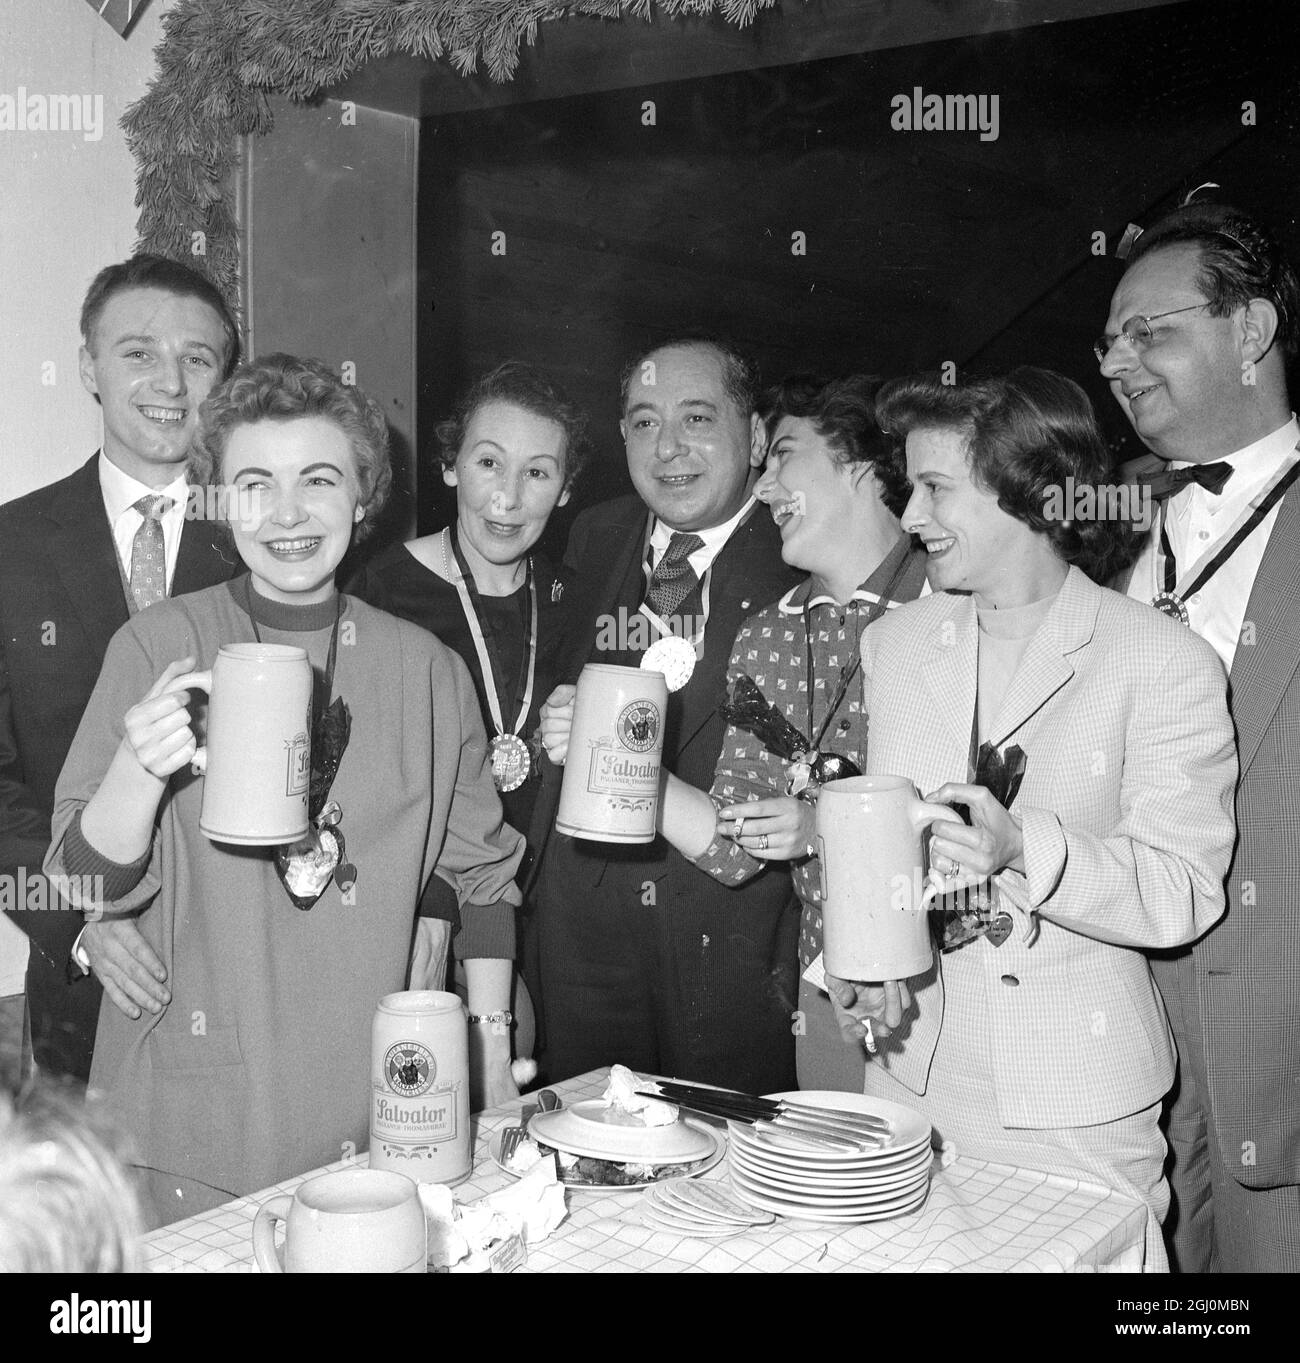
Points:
(419, 1086)
(257, 760)
(348, 1221)
(611, 774)
(875, 895)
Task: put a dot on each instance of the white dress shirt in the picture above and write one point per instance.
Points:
(701, 561)
(715, 537)
(1200, 523)
(121, 492)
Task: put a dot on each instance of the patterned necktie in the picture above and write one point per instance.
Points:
(149, 553)
(674, 579)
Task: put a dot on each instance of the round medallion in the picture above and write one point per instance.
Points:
(673, 657)
(1171, 604)
(510, 761)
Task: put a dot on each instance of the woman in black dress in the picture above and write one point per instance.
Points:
(511, 449)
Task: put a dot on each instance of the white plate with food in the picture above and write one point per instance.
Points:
(601, 1131)
(589, 1173)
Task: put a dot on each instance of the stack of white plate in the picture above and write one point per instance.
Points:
(796, 1179)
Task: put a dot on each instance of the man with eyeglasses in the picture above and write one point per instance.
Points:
(1201, 329)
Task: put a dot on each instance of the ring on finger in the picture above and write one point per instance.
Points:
(762, 842)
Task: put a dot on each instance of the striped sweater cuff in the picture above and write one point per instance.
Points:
(81, 859)
(486, 931)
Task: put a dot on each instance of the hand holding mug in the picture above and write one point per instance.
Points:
(967, 855)
(557, 722)
(158, 732)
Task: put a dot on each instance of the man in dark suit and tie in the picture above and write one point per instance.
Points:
(1201, 329)
(642, 960)
(76, 559)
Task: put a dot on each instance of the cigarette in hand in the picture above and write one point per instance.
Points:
(869, 1039)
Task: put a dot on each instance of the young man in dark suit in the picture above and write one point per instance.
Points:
(1201, 329)
(76, 559)
(642, 960)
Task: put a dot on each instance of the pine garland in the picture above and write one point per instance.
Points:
(219, 60)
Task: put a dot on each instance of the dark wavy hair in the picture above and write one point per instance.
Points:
(1026, 433)
(279, 388)
(843, 412)
(739, 372)
(1240, 259)
(145, 271)
(525, 386)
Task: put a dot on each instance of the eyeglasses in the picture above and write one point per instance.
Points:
(1137, 331)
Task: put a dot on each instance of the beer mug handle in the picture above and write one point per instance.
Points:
(923, 815)
(203, 681)
(272, 1210)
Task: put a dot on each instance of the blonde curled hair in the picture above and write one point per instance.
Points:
(67, 1202)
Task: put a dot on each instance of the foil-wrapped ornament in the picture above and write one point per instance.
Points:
(747, 708)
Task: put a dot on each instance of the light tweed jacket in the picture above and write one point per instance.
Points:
(1126, 807)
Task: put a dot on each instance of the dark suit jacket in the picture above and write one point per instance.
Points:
(61, 600)
(1247, 968)
(603, 578)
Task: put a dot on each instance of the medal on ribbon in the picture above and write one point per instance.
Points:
(511, 761)
(1172, 605)
(509, 755)
(1172, 600)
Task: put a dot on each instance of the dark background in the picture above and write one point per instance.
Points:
(922, 247)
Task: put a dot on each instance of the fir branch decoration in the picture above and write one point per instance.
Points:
(219, 60)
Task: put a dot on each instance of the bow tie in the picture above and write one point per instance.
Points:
(1165, 482)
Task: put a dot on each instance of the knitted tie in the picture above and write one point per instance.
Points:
(148, 552)
(674, 579)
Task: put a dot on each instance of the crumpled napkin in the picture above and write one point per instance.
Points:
(623, 1097)
(464, 1236)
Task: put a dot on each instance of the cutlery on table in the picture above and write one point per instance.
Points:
(783, 1106)
(827, 1127)
(512, 1135)
(547, 1101)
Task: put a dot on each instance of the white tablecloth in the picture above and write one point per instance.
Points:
(979, 1217)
